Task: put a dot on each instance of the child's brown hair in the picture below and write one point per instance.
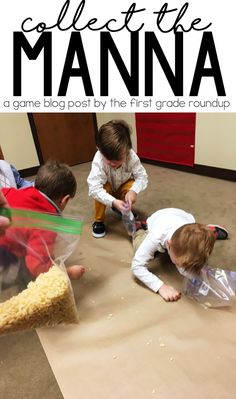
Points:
(192, 244)
(113, 139)
(56, 180)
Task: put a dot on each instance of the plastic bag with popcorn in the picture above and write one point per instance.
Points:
(35, 289)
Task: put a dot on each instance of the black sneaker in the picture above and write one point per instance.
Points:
(221, 232)
(141, 225)
(99, 230)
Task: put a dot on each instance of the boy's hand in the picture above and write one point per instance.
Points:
(130, 198)
(169, 294)
(120, 205)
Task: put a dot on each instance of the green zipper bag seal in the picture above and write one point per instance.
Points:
(36, 220)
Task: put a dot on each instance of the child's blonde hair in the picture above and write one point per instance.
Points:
(192, 244)
(113, 139)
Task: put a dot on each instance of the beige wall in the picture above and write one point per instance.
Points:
(129, 118)
(16, 140)
(215, 143)
(215, 138)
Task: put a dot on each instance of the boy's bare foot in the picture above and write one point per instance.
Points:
(75, 272)
(168, 293)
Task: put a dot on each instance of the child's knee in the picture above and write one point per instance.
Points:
(138, 238)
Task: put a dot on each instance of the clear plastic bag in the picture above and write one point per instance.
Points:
(214, 287)
(129, 222)
(34, 286)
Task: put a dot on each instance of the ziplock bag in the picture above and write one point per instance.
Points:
(129, 222)
(212, 288)
(35, 290)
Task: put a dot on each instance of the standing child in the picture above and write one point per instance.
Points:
(188, 244)
(117, 175)
(55, 184)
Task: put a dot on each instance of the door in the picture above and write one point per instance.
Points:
(1, 154)
(66, 137)
(166, 137)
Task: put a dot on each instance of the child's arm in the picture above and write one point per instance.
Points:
(20, 182)
(96, 180)
(139, 173)
(140, 261)
(130, 198)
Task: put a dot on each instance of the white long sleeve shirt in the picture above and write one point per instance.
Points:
(102, 173)
(161, 226)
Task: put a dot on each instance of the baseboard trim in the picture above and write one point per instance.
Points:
(210, 171)
(29, 171)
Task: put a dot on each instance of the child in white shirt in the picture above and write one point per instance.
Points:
(188, 244)
(117, 175)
